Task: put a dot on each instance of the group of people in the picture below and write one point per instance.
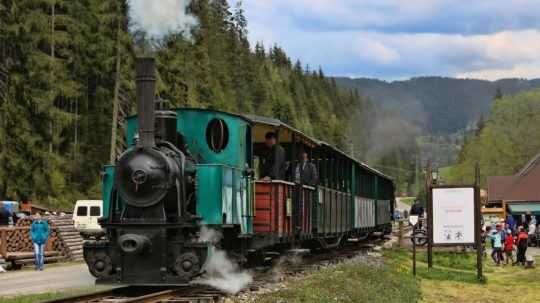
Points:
(275, 167)
(508, 236)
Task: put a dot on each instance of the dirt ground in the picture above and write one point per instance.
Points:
(53, 278)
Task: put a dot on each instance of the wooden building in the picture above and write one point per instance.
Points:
(517, 194)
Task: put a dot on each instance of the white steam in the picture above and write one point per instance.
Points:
(221, 272)
(158, 18)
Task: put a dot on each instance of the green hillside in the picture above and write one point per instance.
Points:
(438, 105)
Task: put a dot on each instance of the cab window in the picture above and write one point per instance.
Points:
(94, 211)
(82, 211)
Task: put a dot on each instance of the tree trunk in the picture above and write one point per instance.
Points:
(114, 124)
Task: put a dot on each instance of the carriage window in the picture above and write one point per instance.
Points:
(217, 135)
(94, 211)
(82, 211)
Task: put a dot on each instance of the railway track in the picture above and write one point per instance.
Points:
(288, 266)
(131, 294)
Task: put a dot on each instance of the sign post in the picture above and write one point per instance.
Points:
(454, 218)
(478, 215)
(414, 220)
(429, 185)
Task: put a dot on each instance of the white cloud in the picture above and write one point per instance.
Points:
(397, 39)
(528, 71)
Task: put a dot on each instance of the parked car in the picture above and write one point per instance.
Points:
(85, 217)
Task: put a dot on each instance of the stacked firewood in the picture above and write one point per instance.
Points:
(65, 238)
(19, 240)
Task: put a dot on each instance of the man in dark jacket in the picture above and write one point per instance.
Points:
(273, 166)
(417, 209)
(4, 215)
(305, 172)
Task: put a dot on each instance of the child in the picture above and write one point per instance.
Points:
(509, 246)
(496, 253)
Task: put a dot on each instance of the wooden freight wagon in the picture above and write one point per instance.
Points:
(283, 208)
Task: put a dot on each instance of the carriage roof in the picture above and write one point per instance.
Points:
(264, 124)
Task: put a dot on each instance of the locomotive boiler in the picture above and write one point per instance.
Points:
(151, 235)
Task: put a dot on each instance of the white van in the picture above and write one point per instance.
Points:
(85, 217)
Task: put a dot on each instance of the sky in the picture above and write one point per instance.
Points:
(395, 39)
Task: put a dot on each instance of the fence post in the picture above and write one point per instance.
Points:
(3, 242)
(400, 232)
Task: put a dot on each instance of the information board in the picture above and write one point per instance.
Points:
(453, 215)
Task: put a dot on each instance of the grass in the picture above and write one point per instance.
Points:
(453, 279)
(42, 297)
(388, 282)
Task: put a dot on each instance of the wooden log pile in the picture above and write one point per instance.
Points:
(64, 237)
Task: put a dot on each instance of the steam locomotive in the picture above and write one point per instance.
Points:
(191, 169)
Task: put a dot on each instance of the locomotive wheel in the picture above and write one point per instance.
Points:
(187, 265)
(100, 265)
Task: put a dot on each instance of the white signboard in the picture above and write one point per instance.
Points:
(453, 215)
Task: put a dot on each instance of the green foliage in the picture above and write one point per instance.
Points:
(508, 140)
(58, 87)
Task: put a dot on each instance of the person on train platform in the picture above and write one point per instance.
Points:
(305, 172)
(39, 232)
(273, 166)
(521, 243)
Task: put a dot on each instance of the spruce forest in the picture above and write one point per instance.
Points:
(66, 82)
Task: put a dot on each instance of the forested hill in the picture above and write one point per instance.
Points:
(61, 69)
(437, 104)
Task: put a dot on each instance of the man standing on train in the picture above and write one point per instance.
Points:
(305, 172)
(273, 167)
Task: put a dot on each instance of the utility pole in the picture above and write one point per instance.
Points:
(51, 123)
(417, 174)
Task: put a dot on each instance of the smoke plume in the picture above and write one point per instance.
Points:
(221, 272)
(158, 18)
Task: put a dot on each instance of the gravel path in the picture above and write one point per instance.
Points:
(53, 278)
(402, 206)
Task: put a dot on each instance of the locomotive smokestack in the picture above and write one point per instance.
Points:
(146, 85)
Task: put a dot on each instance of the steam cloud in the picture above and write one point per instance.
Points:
(221, 272)
(378, 131)
(158, 18)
